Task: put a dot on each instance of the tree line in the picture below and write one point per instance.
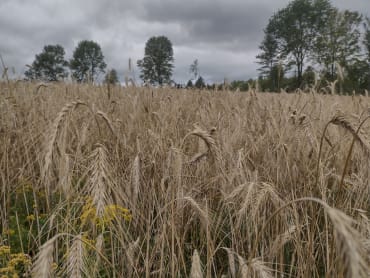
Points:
(87, 63)
(310, 37)
(50, 65)
(309, 43)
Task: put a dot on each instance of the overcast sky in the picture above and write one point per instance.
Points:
(223, 35)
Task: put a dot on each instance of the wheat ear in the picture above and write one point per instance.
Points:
(196, 268)
(53, 136)
(42, 267)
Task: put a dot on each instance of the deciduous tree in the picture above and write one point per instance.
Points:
(292, 32)
(49, 65)
(87, 62)
(111, 77)
(339, 42)
(157, 65)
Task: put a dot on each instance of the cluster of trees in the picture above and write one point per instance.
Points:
(197, 81)
(88, 63)
(311, 36)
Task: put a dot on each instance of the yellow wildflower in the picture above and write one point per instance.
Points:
(88, 241)
(19, 258)
(4, 250)
(111, 212)
(30, 218)
(9, 232)
(6, 270)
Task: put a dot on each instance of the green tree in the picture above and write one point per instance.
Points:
(189, 85)
(111, 77)
(367, 48)
(239, 84)
(358, 76)
(309, 77)
(276, 77)
(87, 62)
(200, 84)
(367, 38)
(49, 65)
(157, 65)
(339, 42)
(271, 70)
(291, 33)
(269, 47)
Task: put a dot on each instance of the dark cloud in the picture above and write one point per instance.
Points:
(213, 21)
(223, 35)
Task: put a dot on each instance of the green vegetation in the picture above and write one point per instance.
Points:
(49, 65)
(111, 77)
(87, 62)
(314, 35)
(157, 65)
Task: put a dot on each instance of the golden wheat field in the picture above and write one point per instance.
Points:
(142, 182)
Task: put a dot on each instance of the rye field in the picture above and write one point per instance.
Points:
(146, 182)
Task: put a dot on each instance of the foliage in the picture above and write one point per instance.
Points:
(157, 65)
(200, 83)
(239, 85)
(269, 47)
(291, 34)
(87, 62)
(309, 77)
(111, 77)
(357, 77)
(367, 39)
(339, 41)
(49, 65)
(314, 32)
(189, 84)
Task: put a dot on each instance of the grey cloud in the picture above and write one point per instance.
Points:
(223, 35)
(237, 25)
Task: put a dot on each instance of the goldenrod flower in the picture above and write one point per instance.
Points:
(30, 218)
(19, 258)
(111, 212)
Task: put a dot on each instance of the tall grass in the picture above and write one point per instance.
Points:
(145, 182)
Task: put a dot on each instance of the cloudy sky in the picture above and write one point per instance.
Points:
(222, 34)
